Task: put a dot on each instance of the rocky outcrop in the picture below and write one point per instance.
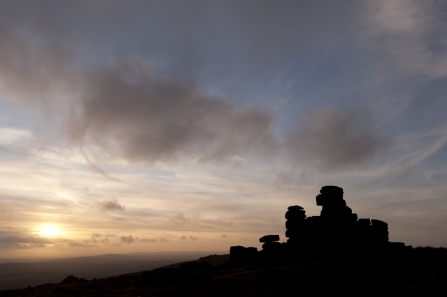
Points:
(337, 231)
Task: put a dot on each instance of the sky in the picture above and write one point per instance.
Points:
(149, 126)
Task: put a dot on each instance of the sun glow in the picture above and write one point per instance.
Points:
(49, 231)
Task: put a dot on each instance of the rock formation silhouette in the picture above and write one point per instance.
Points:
(335, 232)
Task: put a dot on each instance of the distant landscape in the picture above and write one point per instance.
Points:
(23, 274)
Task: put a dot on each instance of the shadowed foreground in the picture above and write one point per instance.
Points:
(421, 272)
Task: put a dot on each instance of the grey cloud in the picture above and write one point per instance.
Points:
(125, 108)
(111, 204)
(143, 117)
(105, 240)
(102, 238)
(179, 219)
(168, 116)
(334, 139)
(260, 33)
(147, 240)
(20, 241)
(224, 236)
(131, 239)
(80, 244)
(192, 238)
(151, 240)
(127, 239)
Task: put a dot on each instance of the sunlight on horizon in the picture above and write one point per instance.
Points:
(49, 231)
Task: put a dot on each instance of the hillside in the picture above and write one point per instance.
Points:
(23, 274)
(421, 273)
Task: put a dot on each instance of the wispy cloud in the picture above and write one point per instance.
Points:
(334, 139)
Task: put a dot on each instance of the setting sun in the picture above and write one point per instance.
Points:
(49, 231)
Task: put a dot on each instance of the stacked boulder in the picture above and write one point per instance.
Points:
(339, 221)
(334, 206)
(271, 243)
(379, 232)
(295, 224)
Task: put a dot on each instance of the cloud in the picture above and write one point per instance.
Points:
(132, 112)
(100, 238)
(147, 240)
(131, 239)
(10, 136)
(409, 37)
(163, 110)
(224, 236)
(80, 244)
(127, 108)
(19, 241)
(111, 204)
(127, 239)
(151, 240)
(96, 235)
(336, 139)
(113, 240)
(192, 238)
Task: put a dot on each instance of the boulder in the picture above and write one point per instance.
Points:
(330, 200)
(379, 223)
(269, 238)
(271, 245)
(251, 251)
(295, 215)
(331, 190)
(294, 224)
(321, 199)
(295, 207)
(237, 253)
(364, 222)
(293, 233)
(242, 254)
